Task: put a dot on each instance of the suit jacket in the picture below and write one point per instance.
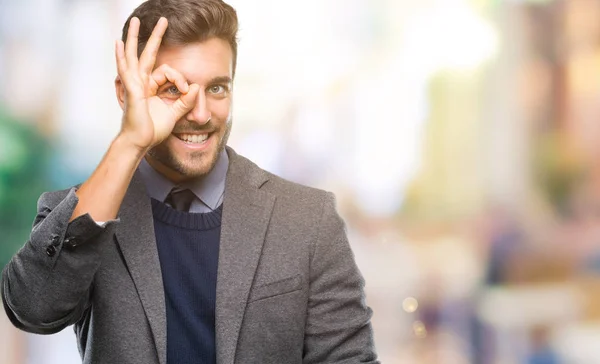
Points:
(288, 289)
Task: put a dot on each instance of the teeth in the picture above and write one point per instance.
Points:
(193, 138)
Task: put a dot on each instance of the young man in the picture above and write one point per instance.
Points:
(176, 249)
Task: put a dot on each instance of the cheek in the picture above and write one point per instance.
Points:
(221, 110)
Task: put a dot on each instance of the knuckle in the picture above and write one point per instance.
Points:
(161, 69)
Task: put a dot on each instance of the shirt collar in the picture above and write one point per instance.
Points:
(208, 189)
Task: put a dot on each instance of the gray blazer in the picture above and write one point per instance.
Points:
(288, 289)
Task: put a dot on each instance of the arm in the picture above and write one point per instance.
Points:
(147, 121)
(338, 328)
(48, 283)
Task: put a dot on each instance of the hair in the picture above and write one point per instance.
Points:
(190, 21)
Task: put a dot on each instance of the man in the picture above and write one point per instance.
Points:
(176, 249)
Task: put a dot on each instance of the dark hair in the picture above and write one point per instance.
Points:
(189, 21)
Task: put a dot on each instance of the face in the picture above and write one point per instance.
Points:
(185, 154)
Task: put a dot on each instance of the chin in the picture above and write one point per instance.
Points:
(194, 171)
(196, 166)
(180, 168)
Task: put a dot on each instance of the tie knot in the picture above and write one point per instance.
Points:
(180, 200)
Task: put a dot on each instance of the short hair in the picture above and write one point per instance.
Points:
(190, 21)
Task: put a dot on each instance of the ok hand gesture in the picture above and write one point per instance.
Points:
(147, 119)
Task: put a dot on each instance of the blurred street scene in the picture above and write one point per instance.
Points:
(461, 138)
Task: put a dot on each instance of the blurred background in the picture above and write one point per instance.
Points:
(461, 137)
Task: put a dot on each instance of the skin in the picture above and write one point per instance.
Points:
(208, 65)
(160, 104)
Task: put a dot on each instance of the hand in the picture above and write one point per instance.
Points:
(147, 119)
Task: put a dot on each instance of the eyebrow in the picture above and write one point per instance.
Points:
(220, 79)
(214, 81)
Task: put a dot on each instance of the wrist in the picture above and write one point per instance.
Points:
(128, 149)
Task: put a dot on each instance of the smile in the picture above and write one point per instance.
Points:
(193, 138)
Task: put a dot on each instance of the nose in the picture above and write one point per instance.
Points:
(200, 114)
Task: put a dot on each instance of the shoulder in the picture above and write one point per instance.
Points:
(291, 197)
(269, 182)
(298, 208)
(285, 188)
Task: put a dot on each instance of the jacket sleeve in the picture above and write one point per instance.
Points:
(338, 328)
(47, 284)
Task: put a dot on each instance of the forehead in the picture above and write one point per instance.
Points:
(198, 62)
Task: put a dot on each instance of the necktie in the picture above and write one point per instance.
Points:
(180, 200)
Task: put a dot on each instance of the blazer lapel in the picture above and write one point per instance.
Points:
(246, 215)
(135, 235)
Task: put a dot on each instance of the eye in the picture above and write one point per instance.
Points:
(172, 90)
(169, 92)
(216, 89)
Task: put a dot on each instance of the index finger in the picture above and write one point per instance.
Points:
(148, 56)
(131, 45)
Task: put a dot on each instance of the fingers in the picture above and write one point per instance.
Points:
(134, 72)
(186, 102)
(131, 45)
(148, 57)
(164, 74)
(120, 57)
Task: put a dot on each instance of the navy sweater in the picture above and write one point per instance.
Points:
(188, 248)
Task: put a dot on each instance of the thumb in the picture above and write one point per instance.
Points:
(186, 102)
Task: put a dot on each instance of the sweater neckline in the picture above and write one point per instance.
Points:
(187, 220)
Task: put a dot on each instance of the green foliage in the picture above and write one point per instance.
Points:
(23, 161)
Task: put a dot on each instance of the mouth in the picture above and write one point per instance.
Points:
(194, 142)
(193, 139)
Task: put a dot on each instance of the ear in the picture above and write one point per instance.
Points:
(120, 91)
